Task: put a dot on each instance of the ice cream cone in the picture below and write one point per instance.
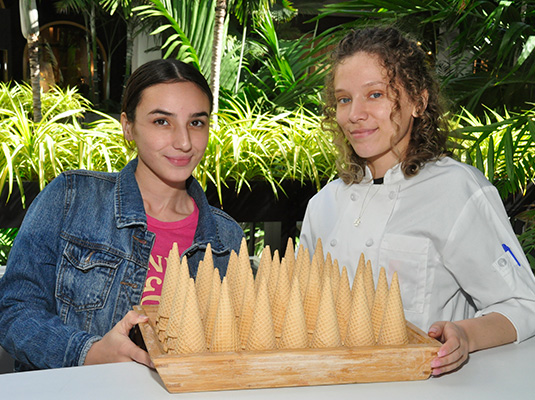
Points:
(281, 298)
(246, 315)
(191, 332)
(312, 296)
(359, 328)
(318, 258)
(343, 303)
(359, 274)
(328, 265)
(289, 255)
(232, 267)
(369, 286)
(179, 299)
(294, 330)
(379, 302)
(273, 275)
(303, 265)
(326, 332)
(203, 280)
(264, 268)
(261, 334)
(169, 285)
(232, 276)
(394, 327)
(225, 334)
(335, 277)
(244, 268)
(211, 309)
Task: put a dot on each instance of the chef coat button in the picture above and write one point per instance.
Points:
(369, 242)
(353, 197)
(502, 262)
(392, 195)
(333, 242)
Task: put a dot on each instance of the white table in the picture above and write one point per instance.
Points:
(501, 373)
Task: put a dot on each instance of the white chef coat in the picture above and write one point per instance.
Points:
(443, 231)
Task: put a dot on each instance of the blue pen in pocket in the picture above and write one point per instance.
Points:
(508, 250)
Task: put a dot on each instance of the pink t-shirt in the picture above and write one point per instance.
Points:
(181, 232)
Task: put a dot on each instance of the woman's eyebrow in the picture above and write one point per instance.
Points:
(200, 114)
(170, 114)
(159, 111)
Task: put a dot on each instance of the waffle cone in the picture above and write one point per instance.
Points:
(318, 257)
(211, 309)
(359, 328)
(238, 286)
(203, 280)
(312, 296)
(246, 316)
(303, 264)
(328, 272)
(179, 299)
(379, 302)
(326, 332)
(191, 333)
(225, 335)
(169, 283)
(368, 284)
(343, 303)
(394, 327)
(161, 326)
(264, 267)
(274, 275)
(261, 334)
(232, 276)
(335, 277)
(294, 330)
(289, 255)
(281, 298)
(359, 274)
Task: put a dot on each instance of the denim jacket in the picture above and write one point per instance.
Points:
(80, 261)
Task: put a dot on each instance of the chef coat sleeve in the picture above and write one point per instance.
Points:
(475, 253)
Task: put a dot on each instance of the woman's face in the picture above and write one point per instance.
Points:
(170, 131)
(364, 112)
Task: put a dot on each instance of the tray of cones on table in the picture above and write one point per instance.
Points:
(298, 322)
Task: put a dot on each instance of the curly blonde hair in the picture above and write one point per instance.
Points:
(407, 69)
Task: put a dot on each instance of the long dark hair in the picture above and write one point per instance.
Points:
(160, 71)
(407, 69)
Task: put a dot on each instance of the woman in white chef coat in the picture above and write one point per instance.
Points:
(409, 208)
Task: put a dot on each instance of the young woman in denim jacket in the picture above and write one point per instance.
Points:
(80, 260)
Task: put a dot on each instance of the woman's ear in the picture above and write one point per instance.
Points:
(127, 127)
(420, 108)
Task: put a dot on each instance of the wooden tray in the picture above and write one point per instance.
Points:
(279, 368)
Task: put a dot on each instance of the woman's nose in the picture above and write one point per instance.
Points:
(357, 112)
(181, 139)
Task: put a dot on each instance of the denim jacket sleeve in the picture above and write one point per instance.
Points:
(30, 328)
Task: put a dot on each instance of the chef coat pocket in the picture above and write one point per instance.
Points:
(85, 277)
(408, 256)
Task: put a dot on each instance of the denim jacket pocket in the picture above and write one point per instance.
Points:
(85, 277)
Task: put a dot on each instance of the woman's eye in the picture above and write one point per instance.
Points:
(343, 100)
(197, 123)
(376, 95)
(160, 121)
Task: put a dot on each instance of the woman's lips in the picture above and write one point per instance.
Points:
(362, 132)
(179, 161)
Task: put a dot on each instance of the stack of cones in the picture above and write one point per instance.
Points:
(293, 303)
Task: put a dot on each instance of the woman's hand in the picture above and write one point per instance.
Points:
(116, 346)
(454, 352)
(466, 336)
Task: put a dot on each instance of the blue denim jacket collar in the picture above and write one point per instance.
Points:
(129, 209)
